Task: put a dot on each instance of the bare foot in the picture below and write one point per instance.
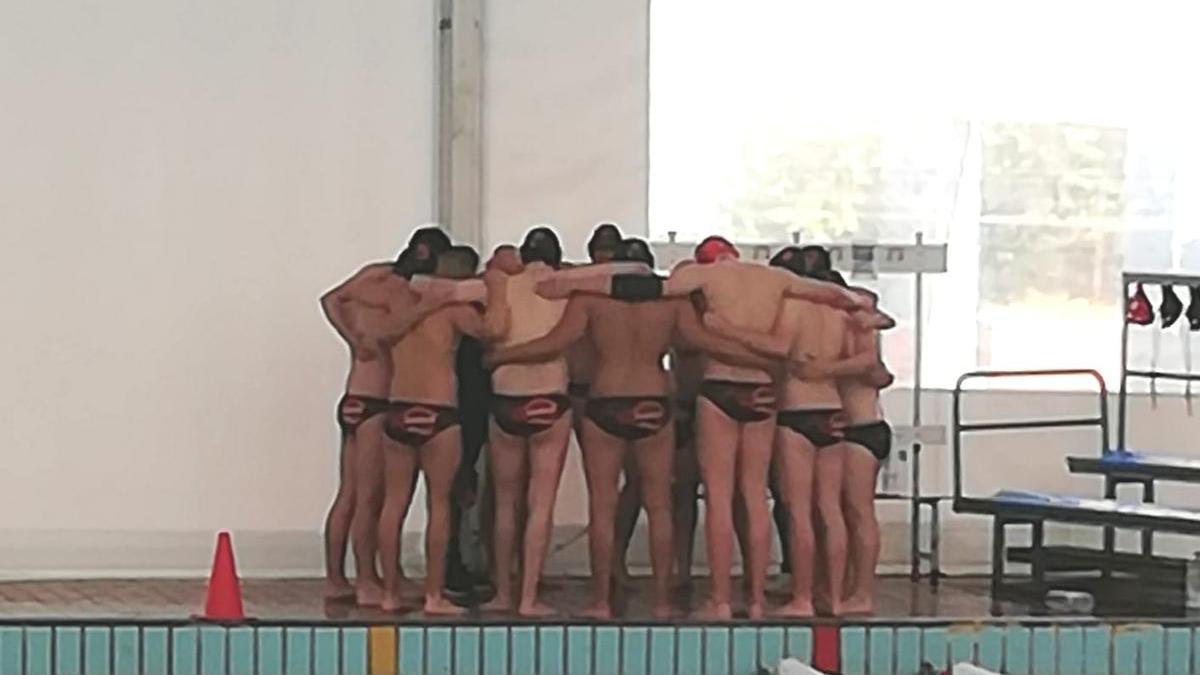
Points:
(858, 607)
(536, 610)
(368, 592)
(832, 609)
(821, 603)
(600, 612)
(710, 611)
(392, 602)
(754, 611)
(410, 590)
(663, 611)
(498, 604)
(795, 610)
(442, 607)
(338, 589)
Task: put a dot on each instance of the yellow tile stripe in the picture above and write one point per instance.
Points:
(381, 650)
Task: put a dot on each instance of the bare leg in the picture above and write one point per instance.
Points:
(439, 462)
(684, 511)
(629, 507)
(368, 464)
(337, 524)
(794, 473)
(547, 454)
(654, 458)
(602, 465)
(400, 463)
(506, 454)
(861, 470)
(716, 444)
(754, 461)
(741, 528)
(833, 526)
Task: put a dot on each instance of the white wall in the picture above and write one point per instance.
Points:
(179, 182)
(565, 117)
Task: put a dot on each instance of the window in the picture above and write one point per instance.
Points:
(1050, 145)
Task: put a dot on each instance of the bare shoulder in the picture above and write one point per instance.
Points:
(374, 272)
(690, 273)
(775, 274)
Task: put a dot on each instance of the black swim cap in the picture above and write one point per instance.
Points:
(541, 245)
(817, 262)
(790, 259)
(424, 246)
(434, 238)
(406, 265)
(632, 249)
(605, 237)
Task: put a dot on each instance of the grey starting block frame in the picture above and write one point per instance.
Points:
(868, 260)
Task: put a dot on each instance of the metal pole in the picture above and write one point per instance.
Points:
(915, 528)
(1121, 395)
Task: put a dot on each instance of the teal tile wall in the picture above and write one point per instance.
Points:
(868, 648)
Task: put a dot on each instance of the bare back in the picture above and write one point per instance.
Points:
(860, 399)
(818, 332)
(748, 296)
(532, 317)
(425, 359)
(376, 292)
(630, 339)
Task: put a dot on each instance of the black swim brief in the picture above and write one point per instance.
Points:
(528, 415)
(630, 417)
(741, 401)
(353, 410)
(413, 424)
(874, 436)
(818, 426)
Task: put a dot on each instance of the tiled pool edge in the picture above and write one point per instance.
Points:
(74, 647)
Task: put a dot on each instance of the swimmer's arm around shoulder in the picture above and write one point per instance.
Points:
(335, 303)
(690, 333)
(821, 292)
(601, 279)
(467, 320)
(569, 329)
(856, 360)
(603, 270)
(774, 345)
(450, 290)
(404, 315)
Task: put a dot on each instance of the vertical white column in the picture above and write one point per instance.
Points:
(460, 107)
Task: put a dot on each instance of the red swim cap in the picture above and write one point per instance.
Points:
(708, 250)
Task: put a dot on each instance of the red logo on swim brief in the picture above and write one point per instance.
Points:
(539, 412)
(837, 424)
(649, 415)
(418, 420)
(762, 399)
(352, 411)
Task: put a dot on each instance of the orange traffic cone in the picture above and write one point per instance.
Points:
(224, 600)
